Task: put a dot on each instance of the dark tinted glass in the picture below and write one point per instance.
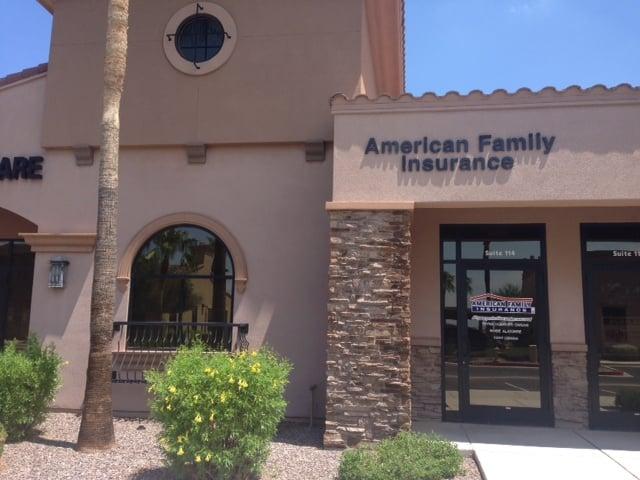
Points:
(613, 249)
(448, 251)
(183, 251)
(503, 368)
(502, 250)
(200, 38)
(452, 401)
(183, 274)
(617, 313)
(16, 280)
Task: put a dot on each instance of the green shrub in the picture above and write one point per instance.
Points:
(628, 400)
(29, 379)
(408, 456)
(3, 439)
(219, 411)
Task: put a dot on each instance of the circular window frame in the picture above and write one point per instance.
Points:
(218, 60)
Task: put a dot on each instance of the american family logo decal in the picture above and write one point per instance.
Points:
(492, 303)
(434, 155)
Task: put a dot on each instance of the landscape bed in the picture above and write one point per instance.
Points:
(296, 453)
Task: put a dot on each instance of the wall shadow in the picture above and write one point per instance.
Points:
(456, 176)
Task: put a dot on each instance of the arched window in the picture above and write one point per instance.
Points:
(182, 274)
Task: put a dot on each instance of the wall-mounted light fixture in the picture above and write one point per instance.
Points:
(57, 272)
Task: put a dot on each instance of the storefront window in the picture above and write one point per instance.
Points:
(611, 264)
(16, 279)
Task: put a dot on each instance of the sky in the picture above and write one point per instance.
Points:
(459, 45)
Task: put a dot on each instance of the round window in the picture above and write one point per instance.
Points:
(200, 38)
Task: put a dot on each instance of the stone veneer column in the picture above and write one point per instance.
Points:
(426, 379)
(368, 372)
(570, 384)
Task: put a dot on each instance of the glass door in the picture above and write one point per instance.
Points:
(504, 348)
(495, 325)
(612, 308)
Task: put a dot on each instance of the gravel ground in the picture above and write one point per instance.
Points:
(296, 454)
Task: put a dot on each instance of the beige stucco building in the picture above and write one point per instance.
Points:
(466, 257)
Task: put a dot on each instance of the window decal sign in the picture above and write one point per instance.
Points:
(492, 303)
(505, 328)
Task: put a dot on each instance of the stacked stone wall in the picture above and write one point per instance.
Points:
(570, 388)
(368, 358)
(426, 379)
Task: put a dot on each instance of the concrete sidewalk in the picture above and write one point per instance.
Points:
(531, 453)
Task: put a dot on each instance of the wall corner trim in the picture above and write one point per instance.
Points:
(60, 242)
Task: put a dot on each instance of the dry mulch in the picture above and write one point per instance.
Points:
(296, 454)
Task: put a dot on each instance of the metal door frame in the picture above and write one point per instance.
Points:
(497, 232)
(612, 232)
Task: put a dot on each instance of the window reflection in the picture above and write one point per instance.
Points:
(504, 366)
(449, 251)
(452, 401)
(618, 314)
(184, 275)
(613, 249)
(16, 280)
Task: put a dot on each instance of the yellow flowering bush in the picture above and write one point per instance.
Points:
(219, 411)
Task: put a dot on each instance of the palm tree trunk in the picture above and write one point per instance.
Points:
(96, 429)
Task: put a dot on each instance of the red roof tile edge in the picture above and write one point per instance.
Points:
(24, 74)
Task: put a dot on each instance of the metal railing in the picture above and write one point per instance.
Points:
(142, 346)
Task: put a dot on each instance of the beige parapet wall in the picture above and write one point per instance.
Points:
(575, 147)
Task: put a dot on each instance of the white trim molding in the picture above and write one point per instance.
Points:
(60, 242)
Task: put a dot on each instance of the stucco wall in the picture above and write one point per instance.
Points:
(563, 261)
(21, 107)
(268, 197)
(595, 156)
(272, 201)
(368, 77)
(291, 56)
